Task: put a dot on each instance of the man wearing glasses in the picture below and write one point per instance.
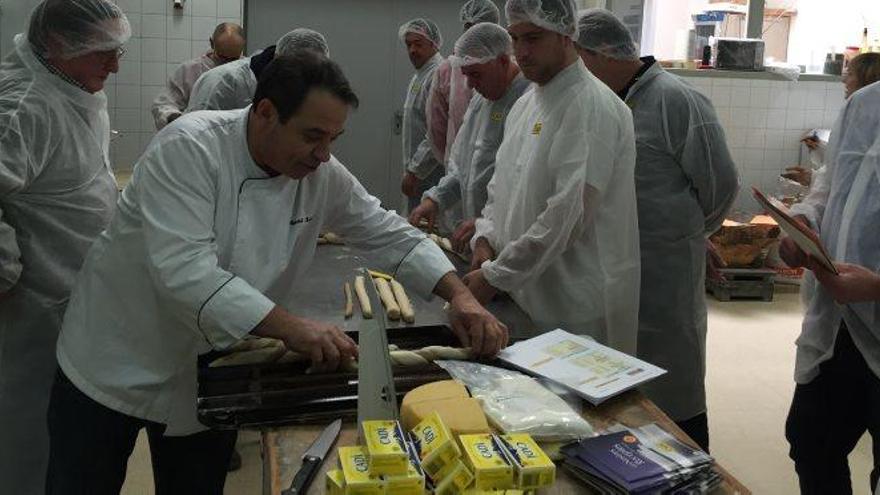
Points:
(227, 43)
(57, 193)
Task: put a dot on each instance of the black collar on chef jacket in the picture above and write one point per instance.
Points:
(647, 62)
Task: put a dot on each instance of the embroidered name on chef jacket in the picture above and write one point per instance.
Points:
(301, 220)
(537, 129)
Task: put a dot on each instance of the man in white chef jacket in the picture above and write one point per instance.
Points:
(559, 231)
(219, 222)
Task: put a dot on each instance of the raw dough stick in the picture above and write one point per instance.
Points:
(257, 356)
(375, 274)
(407, 358)
(332, 238)
(349, 304)
(292, 357)
(387, 298)
(361, 290)
(252, 344)
(406, 309)
(435, 352)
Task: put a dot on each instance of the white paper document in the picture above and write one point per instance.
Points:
(592, 370)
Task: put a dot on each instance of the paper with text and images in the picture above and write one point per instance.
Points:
(592, 370)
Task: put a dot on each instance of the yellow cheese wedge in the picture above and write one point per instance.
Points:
(461, 413)
(462, 416)
(446, 389)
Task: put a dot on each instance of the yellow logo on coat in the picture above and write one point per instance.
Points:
(537, 129)
(497, 116)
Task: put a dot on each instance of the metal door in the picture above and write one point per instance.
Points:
(14, 15)
(362, 35)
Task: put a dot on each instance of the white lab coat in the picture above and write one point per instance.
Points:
(686, 182)
(57, 193)
(227, 87)
(417, 155)
(561, 211)
(204, 245)
(848, 228)
(472, 157)
(174, 98)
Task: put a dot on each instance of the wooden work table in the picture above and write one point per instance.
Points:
(283, 448)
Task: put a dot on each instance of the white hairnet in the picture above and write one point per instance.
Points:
(482, 43)
(555, 15)
(477, 11)
(302, 39)
(600, 31)
(425, 28)
(70, 28)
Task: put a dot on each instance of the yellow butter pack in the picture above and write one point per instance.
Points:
(489, 462)
(386, 447)
(335, 482)
(355, 465)
(532, 468)
(454, 479)
(477, 491)
(411, 483)
(435, 445)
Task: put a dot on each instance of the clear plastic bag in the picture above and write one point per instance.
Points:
(517, 403)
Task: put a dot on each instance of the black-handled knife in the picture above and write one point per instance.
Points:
(313, 458)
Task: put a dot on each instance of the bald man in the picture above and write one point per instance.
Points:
(227, 44)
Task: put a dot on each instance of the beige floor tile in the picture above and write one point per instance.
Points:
(245, 481)
(750, 384)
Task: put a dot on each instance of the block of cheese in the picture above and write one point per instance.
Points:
(463, 416)
(446, 389)
(461, 413)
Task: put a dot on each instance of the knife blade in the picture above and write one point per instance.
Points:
(312, 459)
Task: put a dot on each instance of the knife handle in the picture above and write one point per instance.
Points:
(305, 475)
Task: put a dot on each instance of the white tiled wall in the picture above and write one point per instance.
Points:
(764, 121)
(162, 37)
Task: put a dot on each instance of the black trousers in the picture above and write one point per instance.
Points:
(829, 415)
(89, 447)
(698, 429)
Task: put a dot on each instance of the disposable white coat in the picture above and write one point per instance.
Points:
(472, 157)
(56, 194)
(561, 212)
(686, 182)
(174, 98)
(227, 87)
(417, 155)
(848, 228)
(203, 246)
(447, 103)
